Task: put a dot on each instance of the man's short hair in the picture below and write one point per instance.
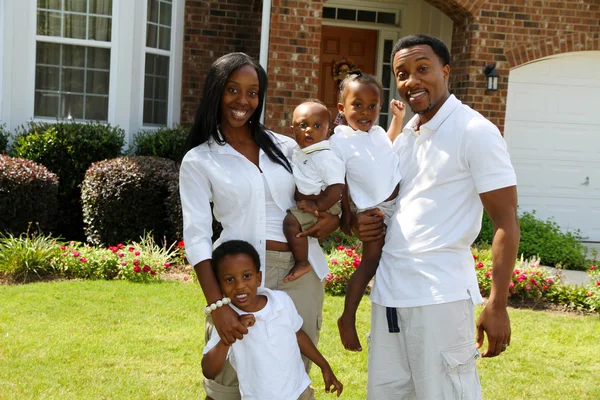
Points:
(438, 47)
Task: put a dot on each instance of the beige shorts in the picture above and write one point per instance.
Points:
(308, 295)
(307, 220)
(423, 352)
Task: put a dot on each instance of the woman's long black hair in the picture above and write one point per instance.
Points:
(208, 116)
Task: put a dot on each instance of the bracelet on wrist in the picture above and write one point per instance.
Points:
(217, 304)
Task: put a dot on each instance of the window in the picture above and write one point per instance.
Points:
(386, 80)
(158, 55)
(373, 16)
(72, 65)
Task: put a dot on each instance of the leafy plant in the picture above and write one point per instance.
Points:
(27, 256)
(164, 142)
(68, 149)
(28, 193)
(342, 263)
(4, 136)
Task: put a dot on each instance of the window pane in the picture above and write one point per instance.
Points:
(367, 16)
(99, 28)
(73, 56)
(383, 121)
(165, 14)
(96, 108)
(153, 11)
(97, 82)
(329, 12)
(164, 38)
(76, 5)
(151, 36)
(161, 86)
(48, 23)
(162, 66)
(386, 18)
(98, 58)
(386, 76)
(160, 112)
(47, 78)
(387, 50)
(71, 106)
(103, 7)
(75, 26)
(150, 63)
(148, 111)
(156, 89)
(346, 14)
(386, 99)
(49, 4)
(46, 104)
(48, 53)
(72, 80)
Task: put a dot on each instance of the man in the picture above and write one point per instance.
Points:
(454, 163)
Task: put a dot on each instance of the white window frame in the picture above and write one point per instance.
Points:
(18, 41)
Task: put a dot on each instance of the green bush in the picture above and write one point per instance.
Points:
(4, 135)
(125, 197)
(68, 149)
(543, 239)
(27, 256)
(164, 142)
(28, 193)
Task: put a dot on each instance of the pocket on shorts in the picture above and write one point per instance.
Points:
(461, 372)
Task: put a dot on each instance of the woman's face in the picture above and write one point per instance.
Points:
(239, 99)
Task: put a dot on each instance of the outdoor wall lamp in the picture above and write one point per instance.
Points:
(492, 76)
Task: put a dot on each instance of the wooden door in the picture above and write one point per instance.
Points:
(357, 45)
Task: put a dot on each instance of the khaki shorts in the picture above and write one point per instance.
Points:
(307, 220)
(308, 295)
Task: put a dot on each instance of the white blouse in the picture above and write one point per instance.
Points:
(218, 173)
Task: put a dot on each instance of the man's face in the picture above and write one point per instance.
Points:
(422, 80)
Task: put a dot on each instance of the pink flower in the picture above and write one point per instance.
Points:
(341, 247)
(83, 259)
(592, 267)
(488, 274)
(136, 262)
(550, 281)
(166, 265)
(597, 283)
(338, 239)
(333, 261)
(121, 255)
(137, 270)
(76, 254)
(123, 263)
(511, 285)
(153, 272)
(479, 265)
(545, 287)
(517, 272)
(137, 253)
(528, 287)
(120, 246)
(131, 249)
(330, 276)
(521, 278)
(146, 268)
(113, 249)
(356, 263)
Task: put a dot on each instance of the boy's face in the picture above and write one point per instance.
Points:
(239, 281)
(310, 124)
(361, 106)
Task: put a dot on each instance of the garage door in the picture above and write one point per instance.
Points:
(553, 134)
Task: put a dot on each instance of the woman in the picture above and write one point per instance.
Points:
(244, 170)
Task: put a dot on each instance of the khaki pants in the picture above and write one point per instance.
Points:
(308, 295)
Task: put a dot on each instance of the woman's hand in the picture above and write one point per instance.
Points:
(228, 325)
(326, 225)
(368, 225)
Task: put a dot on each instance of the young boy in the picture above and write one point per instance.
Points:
(319, 176)
(267, 360)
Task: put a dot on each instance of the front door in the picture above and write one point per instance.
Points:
(337, 43)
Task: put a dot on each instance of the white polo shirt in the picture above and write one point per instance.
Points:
(316, 167)
(218, 173)
(267, 360)
(426, 258)
(372, 170)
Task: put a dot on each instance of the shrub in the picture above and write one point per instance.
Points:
(27, 255)
(342, 263)
(125, 197)
(544, 239)
(4, 135)
(28, 193)
(164, 142)
(68, 149)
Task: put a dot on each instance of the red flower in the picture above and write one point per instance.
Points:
(166, 265)
(76, 254)
(146, 268)
(120, 246)
(121, 255)
(131, 249)
(83, 259)
(479, 265)
(136, 262)
(590, 294)
(137, 253)
(511, 285)
(592, 267)
(338, 239)
(597, 283)
(545, 287)
(341, 247)
(153, 272)
(63, 248)
(550, 281)
(180, 244)
(474, 257)
(137, 270)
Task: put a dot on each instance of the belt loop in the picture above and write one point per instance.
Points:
(392, 319)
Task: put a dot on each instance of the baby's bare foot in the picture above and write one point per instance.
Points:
(299, 269)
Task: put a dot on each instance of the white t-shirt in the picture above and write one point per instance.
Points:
(267, 360)
(372, 170)
(218, 173)
(426, 258)
(316, 167)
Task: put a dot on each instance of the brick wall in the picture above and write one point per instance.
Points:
(214, 28)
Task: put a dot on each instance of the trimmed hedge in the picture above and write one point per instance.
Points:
(68, 149)
(164, 142)
(28, 193)
(4, 135)
(127, 196)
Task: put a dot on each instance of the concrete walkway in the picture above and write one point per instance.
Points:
(570, 277)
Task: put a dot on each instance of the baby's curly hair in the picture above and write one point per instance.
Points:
(358, 76)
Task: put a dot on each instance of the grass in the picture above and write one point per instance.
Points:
(119, 340)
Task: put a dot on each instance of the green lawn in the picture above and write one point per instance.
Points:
(119, 340)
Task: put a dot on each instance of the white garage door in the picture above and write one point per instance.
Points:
(553, 134)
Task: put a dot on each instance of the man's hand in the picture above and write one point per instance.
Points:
(495, 323)
(326, 224)
(228, 325)
(368, 225)
(308, 206)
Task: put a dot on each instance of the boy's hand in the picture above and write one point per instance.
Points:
(398, 109)
(308, 206)
(247, 320)
(330, 380)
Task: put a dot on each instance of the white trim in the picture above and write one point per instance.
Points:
(2, 56)
(177, 37)
(75, 42)
(265, 33)
(367, 6)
